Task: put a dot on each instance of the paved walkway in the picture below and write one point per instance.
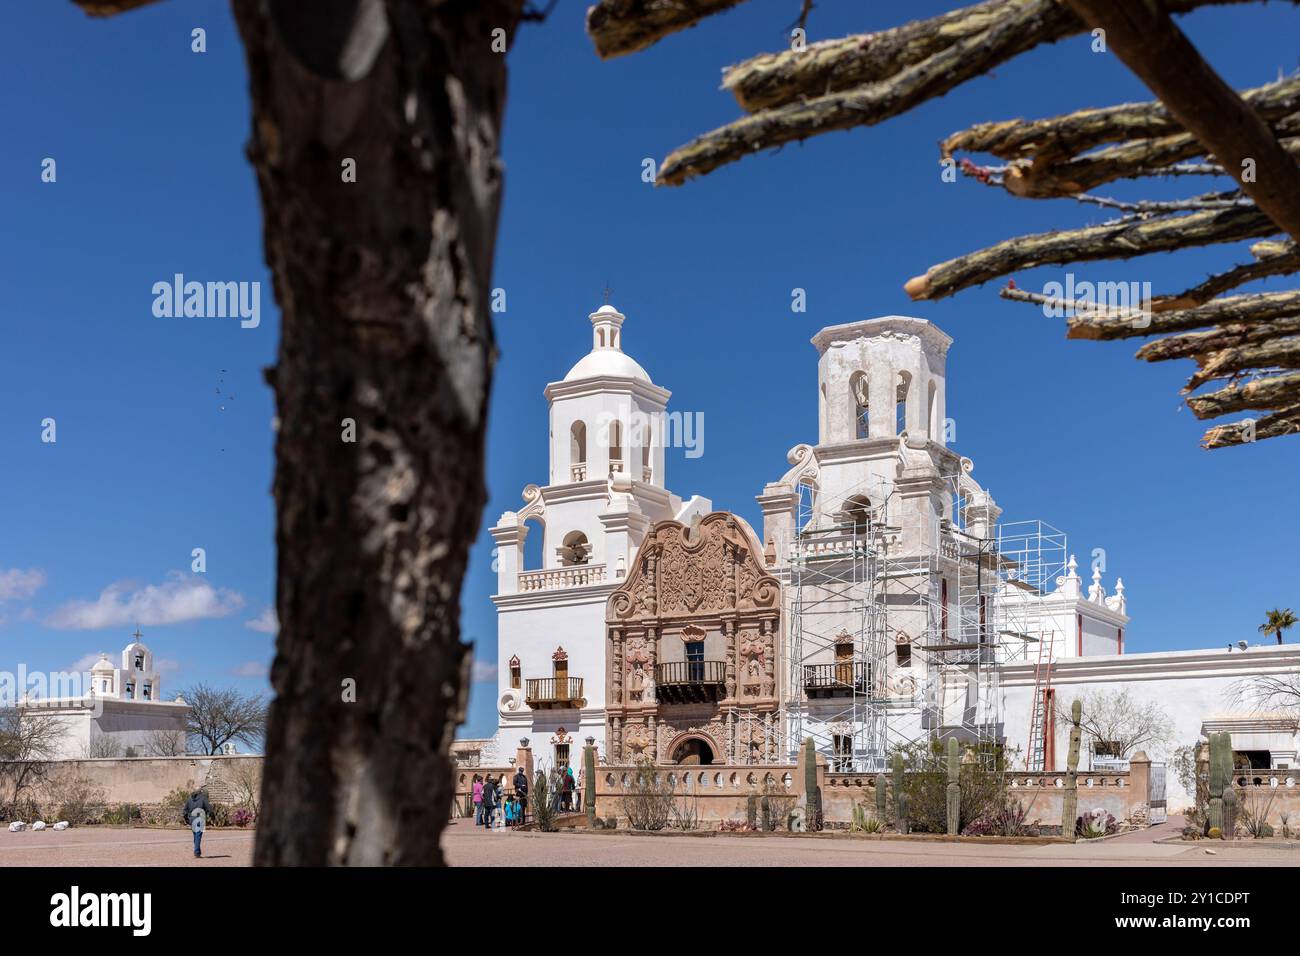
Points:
(111, 846)
(465, 845)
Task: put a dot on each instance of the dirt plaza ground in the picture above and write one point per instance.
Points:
(124, 846)
(466, 845)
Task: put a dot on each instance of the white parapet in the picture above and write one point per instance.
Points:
(557, 578)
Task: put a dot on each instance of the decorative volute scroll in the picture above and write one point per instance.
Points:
(715, 566)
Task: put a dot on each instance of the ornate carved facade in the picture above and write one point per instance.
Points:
(694, 648)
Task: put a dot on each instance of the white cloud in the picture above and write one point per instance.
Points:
(180, 598)
(83, 663)
(265, 622)
(163, 665)
(250, 669)
(483, 672)
(16, 584)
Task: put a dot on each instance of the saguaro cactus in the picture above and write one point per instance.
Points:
(900, 796)
(954, 787)
(812, 796)
(1229, 823)
(881, 797)
(1070, 800)
(589, 784)
(1220, 779)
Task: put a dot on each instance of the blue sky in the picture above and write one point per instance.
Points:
(164, 439)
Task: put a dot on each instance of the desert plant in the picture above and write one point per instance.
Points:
(775, 804)
(924, 786)
(953, 793)
(1256, 805)
(589, 784)
(243, 817)
(245, 779)
(648, 797)
(76, 799)
(1215, 833)
(1070, 799)
(122, 814)
(812, 794)
(1220, 774)
(684, 812)
(882, 797)
(900, 795)
(1096, 823)
(1009, 819)
(751, 810)
(541, 801)
(1284, 818)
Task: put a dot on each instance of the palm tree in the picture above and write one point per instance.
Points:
(1278, 621)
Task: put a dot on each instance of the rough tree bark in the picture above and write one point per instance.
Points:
(383, 286)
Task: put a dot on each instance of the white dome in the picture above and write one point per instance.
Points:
(607, 358)
(607, 362)
(102, 665)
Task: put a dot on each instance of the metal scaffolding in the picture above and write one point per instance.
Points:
(896, 621)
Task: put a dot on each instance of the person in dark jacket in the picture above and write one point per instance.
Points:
(489, 799)
(521, 791)
(195, 814)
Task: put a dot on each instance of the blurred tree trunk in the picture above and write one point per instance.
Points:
(383, 286)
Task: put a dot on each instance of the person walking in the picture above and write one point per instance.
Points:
(521, 791)
(195, 813)
(580, 791)
(478, 799)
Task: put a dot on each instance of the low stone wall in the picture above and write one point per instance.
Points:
(1271, 794)
(148, 780)
(721, 792)
(718, 792)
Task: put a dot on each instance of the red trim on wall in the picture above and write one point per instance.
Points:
(1079, 626)
(1121, 640)
(1049, 729)
(944, 629)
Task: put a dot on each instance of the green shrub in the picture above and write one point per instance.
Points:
(121, 814)
(925, 785)
(76, 800)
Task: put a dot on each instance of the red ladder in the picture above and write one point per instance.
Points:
(1037, 717)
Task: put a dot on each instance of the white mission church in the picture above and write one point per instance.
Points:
(883, 601)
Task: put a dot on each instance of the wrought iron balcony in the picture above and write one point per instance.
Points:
(549, 693)
(841, 679)
(684, 682)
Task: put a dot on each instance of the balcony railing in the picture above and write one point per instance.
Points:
(555, 579)
(647, 474)
(545, 693)
(840, 679)
(615, 466)
(683, 682)
(578, 472)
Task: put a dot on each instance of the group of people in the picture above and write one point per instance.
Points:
(565, 790)
(489, 795)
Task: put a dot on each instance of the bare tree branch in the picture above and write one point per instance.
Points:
(1274, 392)
(625, 26)
(1285, 422)
(1153, 47)
(1117, 241)
(862, 106)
